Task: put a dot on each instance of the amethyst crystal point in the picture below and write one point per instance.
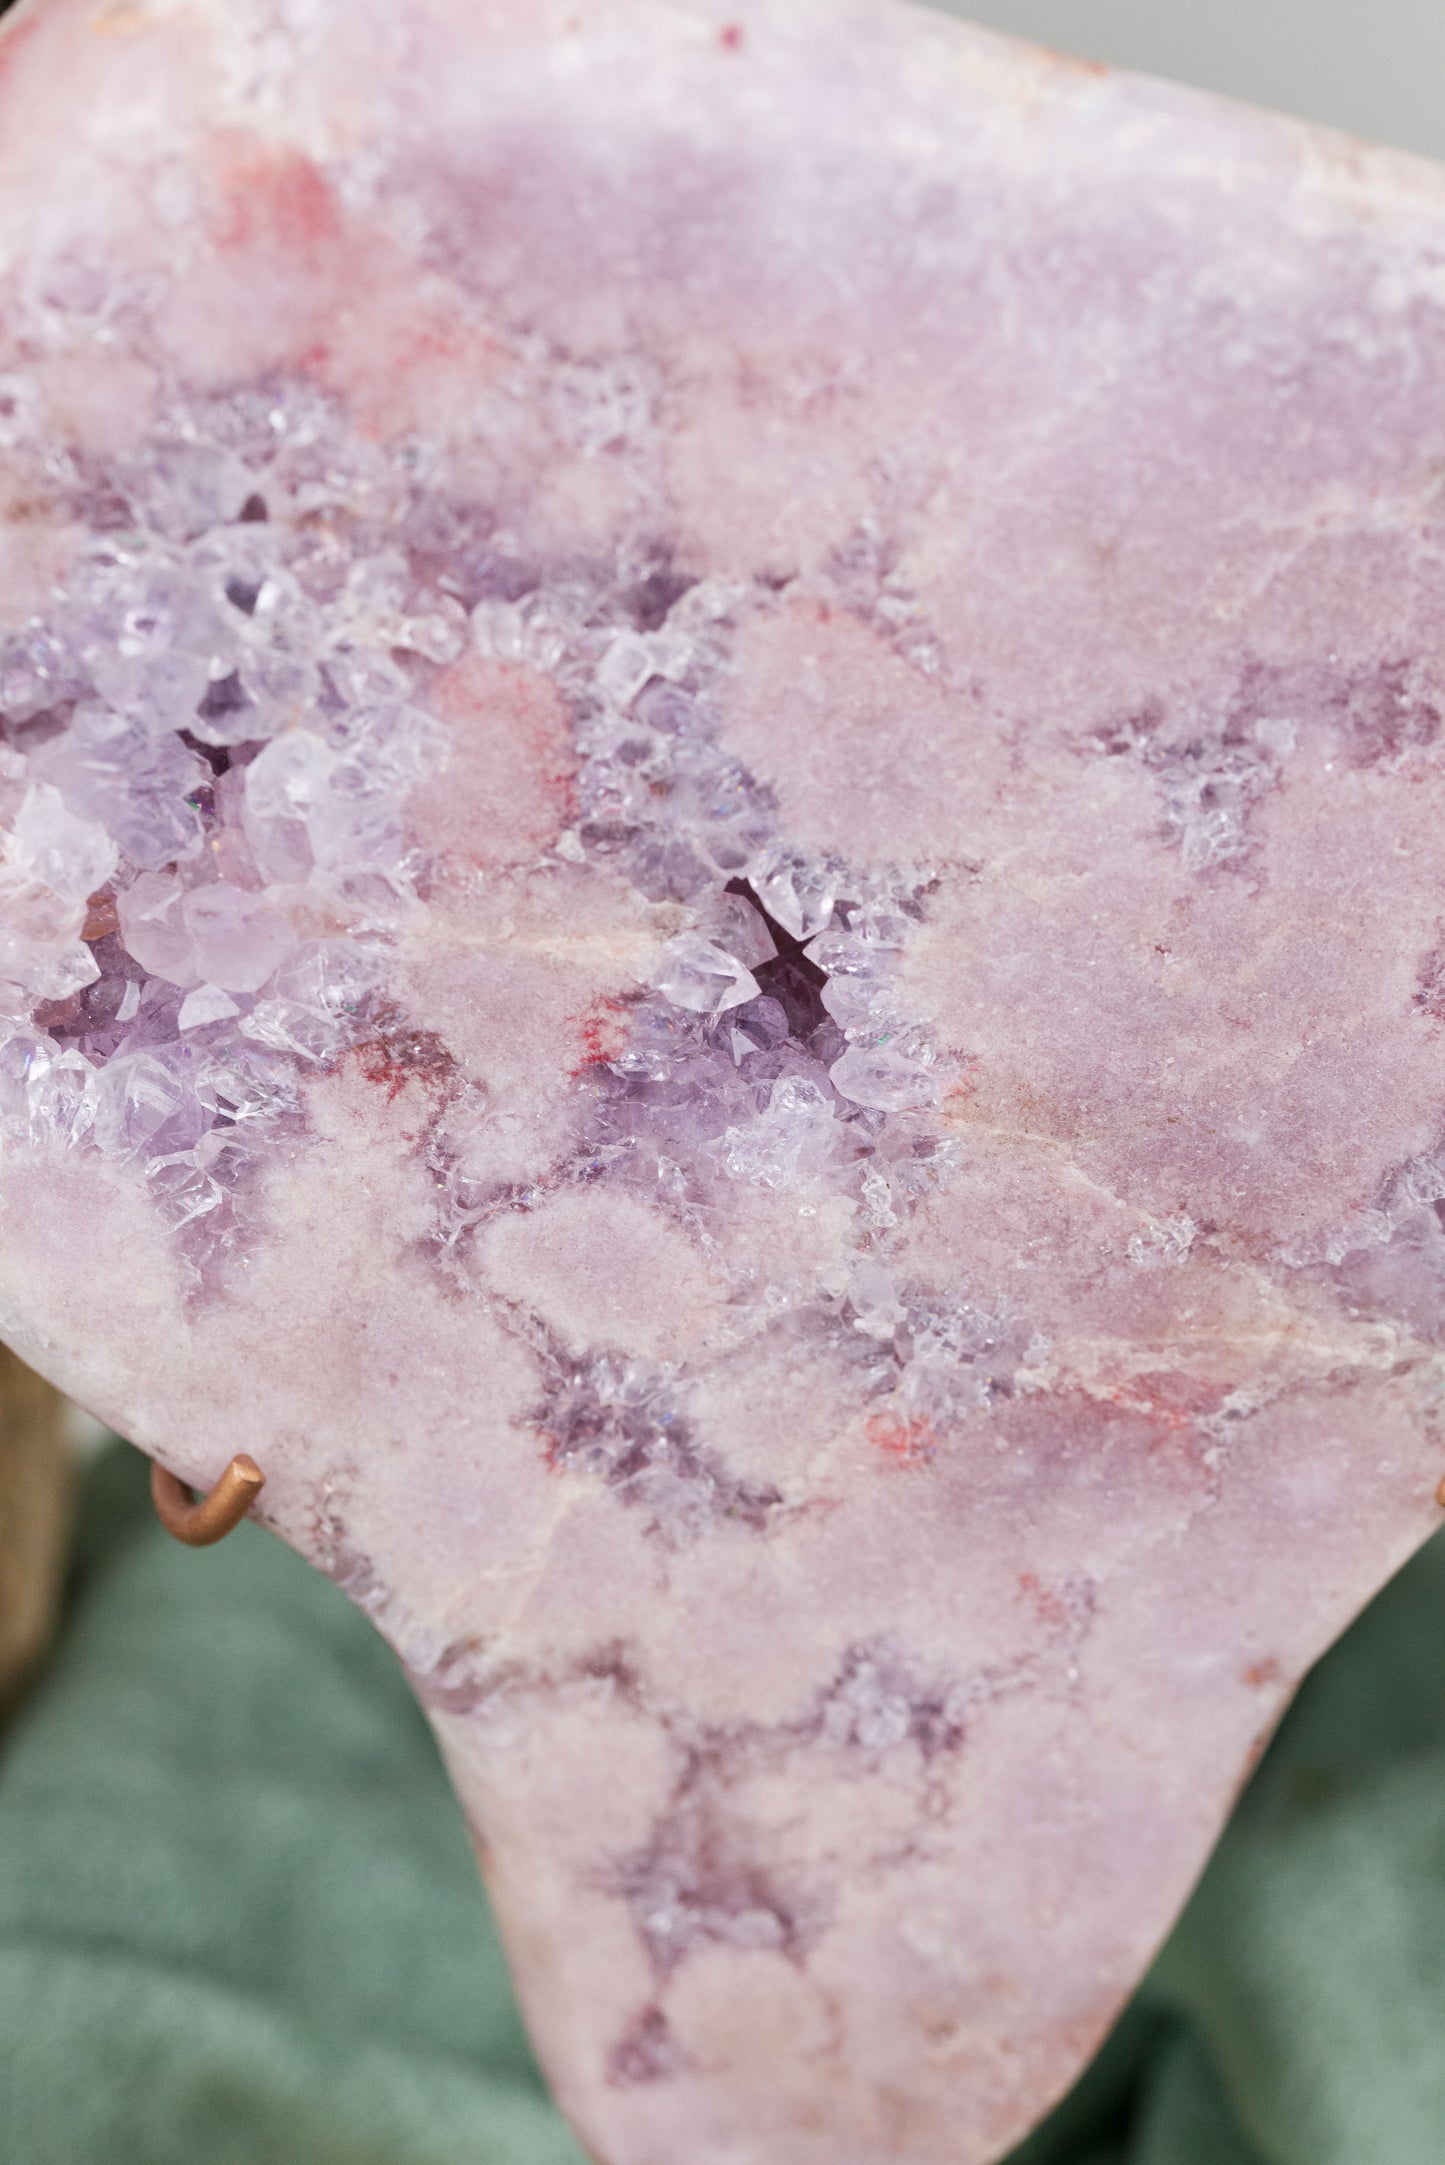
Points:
(721, 910)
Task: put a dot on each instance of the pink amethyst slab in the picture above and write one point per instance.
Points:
(724, 909)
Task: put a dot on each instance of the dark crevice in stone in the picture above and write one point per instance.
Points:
(29, 733)
(217, 756)
(791, 977)
(243, 594)
(649, 602)
(226, 696)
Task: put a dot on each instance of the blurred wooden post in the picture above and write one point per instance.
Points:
(36, 1488)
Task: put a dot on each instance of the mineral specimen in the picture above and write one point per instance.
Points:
(722, 780)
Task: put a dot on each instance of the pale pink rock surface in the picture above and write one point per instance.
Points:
(854, 1451)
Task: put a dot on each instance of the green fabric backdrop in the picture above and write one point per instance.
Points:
(240, 1924)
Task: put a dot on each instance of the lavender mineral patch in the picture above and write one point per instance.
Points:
(721, 909)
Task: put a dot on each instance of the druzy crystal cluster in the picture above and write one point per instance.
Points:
(211, 734)
(720, 773)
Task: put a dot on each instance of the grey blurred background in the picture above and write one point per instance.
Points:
(1374, 67)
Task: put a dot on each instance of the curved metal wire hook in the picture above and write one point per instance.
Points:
(210, 1518)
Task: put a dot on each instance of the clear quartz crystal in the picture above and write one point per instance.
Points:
(314, 1006)
(151, 637)
(793, 1140)
(703, 977)
(140, 788)
(238, 939)
(439, 633)
(354, 825)
(59, 848)
(153, 925)
(208, 1003)
(40, 948)
(873, 1298)
(192, 486)
(732, 924)
(857, 1003)
(39, 672)
(43, 1091)
(800, 892)
(883, 1076)
(633, 659)
(284, 784)
(146, 1103)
